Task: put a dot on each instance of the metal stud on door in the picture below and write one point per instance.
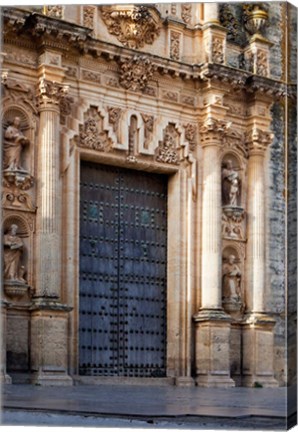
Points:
(123, 249)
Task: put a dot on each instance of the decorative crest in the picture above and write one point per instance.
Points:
(135, 73)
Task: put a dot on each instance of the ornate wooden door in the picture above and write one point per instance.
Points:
(123, 252)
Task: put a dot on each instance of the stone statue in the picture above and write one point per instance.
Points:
(14, 140)
(230, 184)
(13, 249)
(231, 279)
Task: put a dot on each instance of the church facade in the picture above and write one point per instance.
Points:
(149, 194)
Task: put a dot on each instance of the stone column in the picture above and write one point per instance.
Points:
(5, 378)
(258, 328)
(49, 318)
(212, 323)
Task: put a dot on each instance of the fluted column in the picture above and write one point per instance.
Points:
(211, 226)
(258, 336)
(255, 227)
(212, 323)
(48, 234)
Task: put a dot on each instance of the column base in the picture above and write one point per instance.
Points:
(258, 352)
(51, 379)
(213, 329)
(216, 381)
(259, 381)
(184, 381)
(49, 343)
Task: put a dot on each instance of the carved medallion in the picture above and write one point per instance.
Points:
(133, 25)
(135, 73)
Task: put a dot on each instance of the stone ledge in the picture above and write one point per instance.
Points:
(212, 315)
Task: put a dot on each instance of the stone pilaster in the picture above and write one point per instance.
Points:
(5, 378)
(214, 35)
(212, 323)
(258, 328)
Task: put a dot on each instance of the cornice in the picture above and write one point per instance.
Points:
(48, 32)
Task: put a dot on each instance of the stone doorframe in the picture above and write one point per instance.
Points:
(181, 298)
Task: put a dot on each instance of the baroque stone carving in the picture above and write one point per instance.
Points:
(13, 143)
(91, 76)
(230, 185)
(172, 96)
(217, 51)
(191, 135)
(52, 93)
(258, 140)
(14, 198)
(88, 16)
(173, 8)
(232, 223)
(92, 135)
(15, 284)
(55, 11)
(135, 73)
(167, 149)
(133, 25)
(186, 12)
(255, 18)
(149, 124)
(213, 128)
(262, 63)
(230, 22)
(188, 100)
(231, 278)
(114, 117)
(175, 45)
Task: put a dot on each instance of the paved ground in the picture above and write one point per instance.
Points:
(151, 406)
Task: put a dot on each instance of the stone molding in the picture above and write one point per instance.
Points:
(133, 25)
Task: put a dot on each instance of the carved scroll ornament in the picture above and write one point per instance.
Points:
(133, 25)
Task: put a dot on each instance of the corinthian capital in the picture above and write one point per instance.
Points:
(51, 92)
(257, 141)
(212, 131)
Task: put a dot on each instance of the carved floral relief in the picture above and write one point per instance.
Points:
(91, 134)
(175, 45)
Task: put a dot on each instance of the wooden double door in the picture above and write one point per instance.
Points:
(123, 272)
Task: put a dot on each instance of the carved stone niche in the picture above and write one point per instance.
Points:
(16, 150)
(168, 149)
(15, 257)
(232, 282)
(133, 25)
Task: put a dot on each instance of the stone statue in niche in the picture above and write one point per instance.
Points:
(13, 249)
(230, 185)
(231, 279)
(14, 141)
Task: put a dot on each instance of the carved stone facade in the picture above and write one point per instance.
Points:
(188, 93)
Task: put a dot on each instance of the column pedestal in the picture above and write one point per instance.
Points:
(213, 329)
(49, 343)
(4, 377)
(258, 341)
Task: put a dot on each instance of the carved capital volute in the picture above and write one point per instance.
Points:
(257, 141)
(212, 131)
